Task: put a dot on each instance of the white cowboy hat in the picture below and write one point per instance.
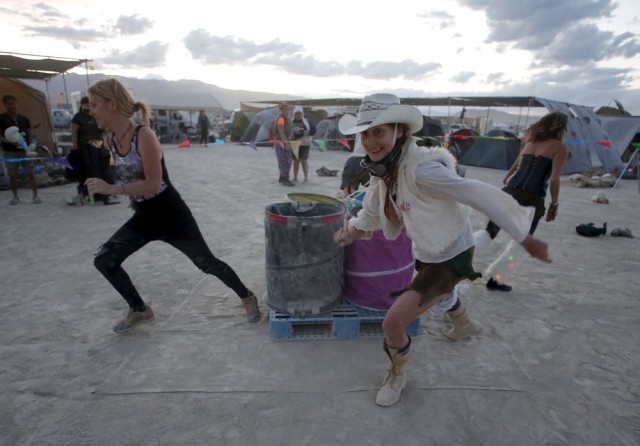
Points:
(381, 108)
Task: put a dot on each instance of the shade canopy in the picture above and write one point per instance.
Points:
(469, 101)
(35, 68)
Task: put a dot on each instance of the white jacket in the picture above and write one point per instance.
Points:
(432, 202)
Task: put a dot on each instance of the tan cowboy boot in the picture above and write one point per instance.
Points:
(463, 325)
(395, 379)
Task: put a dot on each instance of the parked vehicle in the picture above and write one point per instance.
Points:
(61, 119)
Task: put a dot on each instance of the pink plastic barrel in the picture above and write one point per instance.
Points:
(373, 268)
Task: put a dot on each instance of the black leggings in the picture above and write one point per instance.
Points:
(182, 233)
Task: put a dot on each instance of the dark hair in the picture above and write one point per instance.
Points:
(390, 177)
(550, 126)
(8, 97)
(84, 100)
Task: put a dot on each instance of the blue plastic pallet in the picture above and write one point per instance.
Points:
(346, 321)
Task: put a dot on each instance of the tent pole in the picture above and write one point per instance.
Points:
(622, 173)
(526, 122)
(46, 86)
(486, 121)
(519, 117)
(86, 70)
(66, 94)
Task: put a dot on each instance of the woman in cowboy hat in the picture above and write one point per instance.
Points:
(418, 189)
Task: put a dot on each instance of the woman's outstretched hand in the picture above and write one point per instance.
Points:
(536, 248)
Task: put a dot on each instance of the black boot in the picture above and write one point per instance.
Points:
(497, 286)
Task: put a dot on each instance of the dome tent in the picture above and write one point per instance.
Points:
(499, 150)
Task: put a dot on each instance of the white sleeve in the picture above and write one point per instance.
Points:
(368, 218)
(499, 206)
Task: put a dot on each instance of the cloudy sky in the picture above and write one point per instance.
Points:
(581, 51)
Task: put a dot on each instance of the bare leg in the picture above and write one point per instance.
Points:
(305, 169)
(13, 185)
(296, 167)
(404, 311)
(34, 184)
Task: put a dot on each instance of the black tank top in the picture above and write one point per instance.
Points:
(532, 175)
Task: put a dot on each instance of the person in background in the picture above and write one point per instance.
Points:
(282, 145)
(203, 128)
(539, 165)
(160, 213)
(353, 174)
(417, 188)
(87, 157)
(11, 118)
(301, 132)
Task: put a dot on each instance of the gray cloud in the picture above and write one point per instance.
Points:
(462, 77)
(495, 78)
(75, 36)
(151, 55)
(290, 57)
(44, 10)
(441, 19)
(562, 33)
(130, 25)
(230, 50)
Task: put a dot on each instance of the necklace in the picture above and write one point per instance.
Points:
(123, 135)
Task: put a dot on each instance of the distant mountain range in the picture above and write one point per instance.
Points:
(159, 93)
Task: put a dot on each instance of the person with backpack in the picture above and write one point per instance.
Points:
(282, 127)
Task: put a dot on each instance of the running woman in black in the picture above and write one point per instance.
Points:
(160, 213)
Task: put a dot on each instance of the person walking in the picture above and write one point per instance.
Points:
(418, 188)
(538, 166)
(160, 213)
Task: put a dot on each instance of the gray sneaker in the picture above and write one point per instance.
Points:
(134, 318)
(250, 304)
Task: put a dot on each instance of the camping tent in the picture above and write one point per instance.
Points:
(432, 131)
(498, 150)
(622, 130)
(327, 131)
(258, 129)
(587, 139)
(32, 103)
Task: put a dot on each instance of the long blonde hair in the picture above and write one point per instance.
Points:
(113, 90)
